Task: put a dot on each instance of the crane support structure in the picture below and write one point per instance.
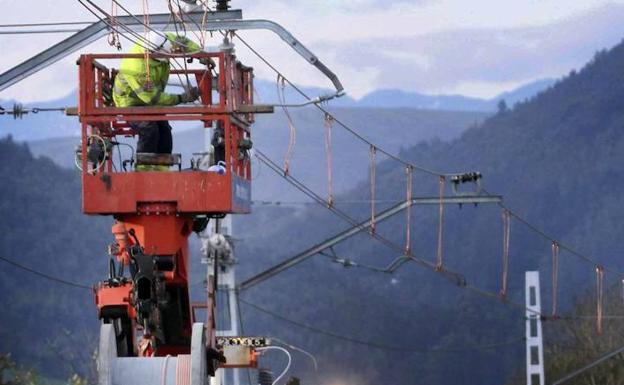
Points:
(149, 322)
(230, 20)
(363, 226)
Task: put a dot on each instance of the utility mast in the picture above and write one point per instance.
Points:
(217, 247)
(534, 341)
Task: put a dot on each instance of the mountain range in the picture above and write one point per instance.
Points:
(54, 124)
(394, 98)
(391, 128)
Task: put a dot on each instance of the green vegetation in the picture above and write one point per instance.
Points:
(572, 344)
(12, 374)
(48, 326)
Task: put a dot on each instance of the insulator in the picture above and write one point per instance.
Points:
(265, 377)
(18, 111)
(467, 177)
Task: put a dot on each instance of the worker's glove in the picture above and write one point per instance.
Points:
(191, 95)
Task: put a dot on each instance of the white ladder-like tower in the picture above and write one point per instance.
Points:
(534, 340)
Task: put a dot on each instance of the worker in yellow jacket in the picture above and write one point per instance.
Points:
(134, 87)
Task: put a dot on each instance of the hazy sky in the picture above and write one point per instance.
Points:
(477, 48)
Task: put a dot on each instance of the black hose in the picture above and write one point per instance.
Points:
(134, 237)
(111, 269)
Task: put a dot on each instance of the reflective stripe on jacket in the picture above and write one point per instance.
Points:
(133, 88)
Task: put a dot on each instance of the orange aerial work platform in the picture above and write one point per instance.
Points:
(156, 211)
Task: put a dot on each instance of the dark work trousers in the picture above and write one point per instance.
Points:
(154, 137)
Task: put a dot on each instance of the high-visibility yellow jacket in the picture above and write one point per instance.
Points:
(132, 86)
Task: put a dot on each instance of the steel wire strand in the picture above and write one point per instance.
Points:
(44, 275)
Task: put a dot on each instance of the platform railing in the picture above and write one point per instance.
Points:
(224, 86)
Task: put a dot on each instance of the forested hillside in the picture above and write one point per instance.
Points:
(44, 324)
(556, 159)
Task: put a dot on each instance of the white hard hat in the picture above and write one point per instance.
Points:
(158, 42)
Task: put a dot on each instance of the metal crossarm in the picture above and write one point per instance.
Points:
(216, 21)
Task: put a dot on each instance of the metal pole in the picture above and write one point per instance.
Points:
(534, 340)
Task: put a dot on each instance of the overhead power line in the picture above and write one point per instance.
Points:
(113, 23)
(60, 23)
(531, 226)
(44, 275)
(37, 31)
(354, 230)
(559, 243)
(354, 132)
(340, 122)
(452, 276)
(60, 281)
(458, 279)
(377, 345)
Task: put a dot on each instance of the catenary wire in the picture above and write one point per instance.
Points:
(44, 275)
(452, 276)
(371, 344)
(546, 236)
(38, 31)
(338, 121)
(137, 37)
(417, 167)
(51, 24)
